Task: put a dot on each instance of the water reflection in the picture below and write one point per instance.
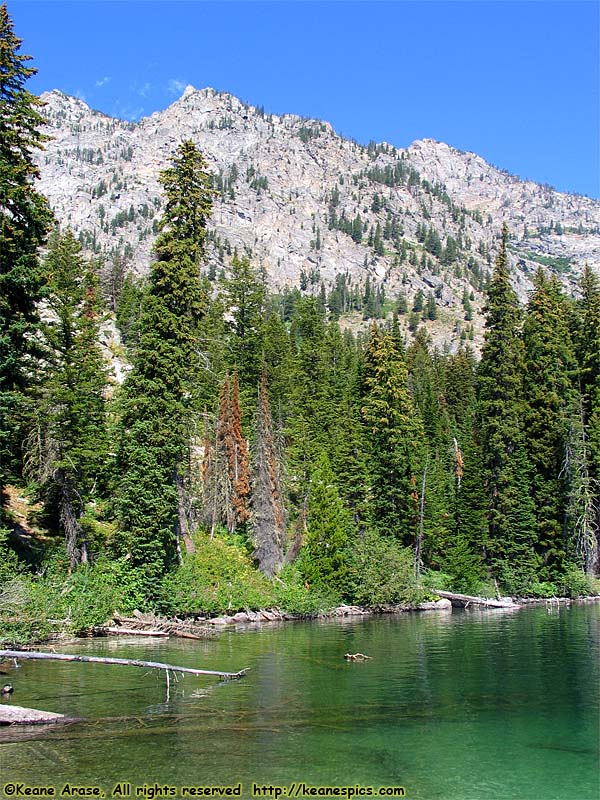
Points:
(461, 705)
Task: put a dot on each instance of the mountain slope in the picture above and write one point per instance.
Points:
(308, 205)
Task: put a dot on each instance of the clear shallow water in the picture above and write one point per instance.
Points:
(460, 706)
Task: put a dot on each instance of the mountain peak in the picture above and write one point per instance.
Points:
(308, 205)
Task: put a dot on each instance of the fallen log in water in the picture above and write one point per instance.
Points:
(466, 600)
(120, 661)
(129, 631)
(17, 715)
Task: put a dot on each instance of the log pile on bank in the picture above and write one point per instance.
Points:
(196, 626)
(152, 625)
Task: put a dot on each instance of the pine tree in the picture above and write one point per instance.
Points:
(426, 382)
(349, 459)
(268, 519)
(245, 292)
(582, 461)
(431, 306)
(418, 302)
(328, 526)
(310, 407)
(463, 560)
(511, 518)
(67, 446)
(588, 347)
(158, 407)
(550, 397)
(24, 222)
(394, 437)
(279, 361)
(432, 242)
(583, 505)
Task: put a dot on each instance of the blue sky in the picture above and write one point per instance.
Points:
(516, 82)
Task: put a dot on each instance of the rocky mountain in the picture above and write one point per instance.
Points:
(308, 205)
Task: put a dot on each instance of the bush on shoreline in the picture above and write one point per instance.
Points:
(219, 578)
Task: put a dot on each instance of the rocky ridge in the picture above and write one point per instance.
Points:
(308, 205)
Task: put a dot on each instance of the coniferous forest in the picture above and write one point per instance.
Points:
(258, 453)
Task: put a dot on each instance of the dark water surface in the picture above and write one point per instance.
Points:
(456, 706)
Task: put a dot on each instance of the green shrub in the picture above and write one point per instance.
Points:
(576, 583)
(24, 612)
(380, 571)
(292, 594)
(96, 530)
(33, 608)
(218, 577)
(437, 580)
(537, 588)
(486, 588)
(9, 561)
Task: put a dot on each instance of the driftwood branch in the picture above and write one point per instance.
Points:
(121, 661)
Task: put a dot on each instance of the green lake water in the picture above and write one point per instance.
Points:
(465, 705)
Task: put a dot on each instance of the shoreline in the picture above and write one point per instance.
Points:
(242, 620)
(202, 628)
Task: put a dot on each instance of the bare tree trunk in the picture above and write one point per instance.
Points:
(184, 514)
(70, 522)
(20, 654)
(419, 545)
(582, 512)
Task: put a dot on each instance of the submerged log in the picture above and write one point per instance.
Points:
(466, 600)
(357, 657)
(120, 661)
(17, 715)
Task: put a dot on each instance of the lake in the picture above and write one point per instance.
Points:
(461, 705)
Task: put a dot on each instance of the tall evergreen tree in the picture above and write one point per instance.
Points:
(310, 408)
(158, 394)
(582, 462)
(463, 560)
(245, 293)
(328, 527)
(511, 518)
(67, 446)
(394, 436)
(349, 458)
(588, 347)
(279, 360)
(550, 400)
(24, 222)
(583, 491)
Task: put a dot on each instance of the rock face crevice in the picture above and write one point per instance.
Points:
(288, 191)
